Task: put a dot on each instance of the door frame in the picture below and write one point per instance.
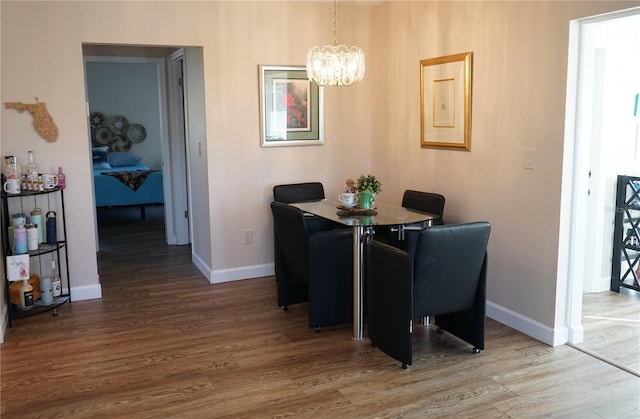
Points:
(178, 146)
(577, 205)
(164, 127)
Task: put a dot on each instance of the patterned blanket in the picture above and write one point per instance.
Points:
(132, 179)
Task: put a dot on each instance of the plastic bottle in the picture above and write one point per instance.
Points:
(32, 236)
(26, 295)
(19, 240)
(61, 179)
(56, 284)
(18, 218)
(32, 169)
(46, 291)
(36, 218)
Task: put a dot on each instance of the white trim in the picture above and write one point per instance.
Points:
(164, 129)
(86, 292)
(535, 329)
(5, 322)
(179, 156)
(233, 274)
(201, 265)
(245, 272)
(575, 185)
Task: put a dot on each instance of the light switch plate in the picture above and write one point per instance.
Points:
(529, 158)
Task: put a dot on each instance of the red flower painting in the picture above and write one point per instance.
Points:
(294, 95)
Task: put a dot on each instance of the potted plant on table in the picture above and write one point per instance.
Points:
(367, 188)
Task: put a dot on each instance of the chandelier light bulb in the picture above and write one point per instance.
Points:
(335, 65)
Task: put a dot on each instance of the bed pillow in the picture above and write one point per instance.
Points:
(100, 160)
(122, 158)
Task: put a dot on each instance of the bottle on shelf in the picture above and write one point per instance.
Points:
(62, 183)
(26, 295)
(52, 235)
(56, 284)
(19, 240)
(46, 291)
(32, 236)
(10, 169)
(36, 218)
(32, 169)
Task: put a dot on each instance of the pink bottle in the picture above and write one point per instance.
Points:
(61, 179)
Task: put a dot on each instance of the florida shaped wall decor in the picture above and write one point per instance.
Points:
(445, 101)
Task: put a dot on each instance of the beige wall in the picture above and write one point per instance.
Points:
(520, 53)
(42, 56)
(519, 87)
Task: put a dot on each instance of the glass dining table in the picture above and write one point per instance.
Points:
(359, 220)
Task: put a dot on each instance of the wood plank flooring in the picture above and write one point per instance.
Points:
(611, 324)
(163, 342)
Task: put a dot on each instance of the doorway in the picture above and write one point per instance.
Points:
(603, 79)
(146, 82)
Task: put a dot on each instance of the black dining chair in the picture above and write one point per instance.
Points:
(313, 266)
(404, 237)
(445, 277)
(299, 192)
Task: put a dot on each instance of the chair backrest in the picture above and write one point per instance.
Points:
(449, 263)
(298, 192)
(430, 202)
(293, 239)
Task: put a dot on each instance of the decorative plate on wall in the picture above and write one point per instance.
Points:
(104, 135)
(136, 133)
(120, 144)
(119, 125)
(97, 119)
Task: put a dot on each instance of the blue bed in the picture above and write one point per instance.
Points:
(109, 191)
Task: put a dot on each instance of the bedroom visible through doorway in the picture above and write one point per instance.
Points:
(128, 86)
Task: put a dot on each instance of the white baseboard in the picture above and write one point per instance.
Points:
(245, 272)
(233, 274)
(202, 267)
(87, 292)
(5, 321)
(530, 327)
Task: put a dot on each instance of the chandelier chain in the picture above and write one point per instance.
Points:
(335, 23)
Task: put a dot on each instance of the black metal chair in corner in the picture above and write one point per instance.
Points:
(404, 237)
(445, 277)
(315, 267)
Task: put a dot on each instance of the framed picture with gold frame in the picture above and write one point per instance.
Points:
(445, 102)
(291, 107)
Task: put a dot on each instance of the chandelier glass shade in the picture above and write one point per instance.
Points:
(335, 65)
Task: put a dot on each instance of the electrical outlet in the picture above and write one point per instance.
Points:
(247, 236)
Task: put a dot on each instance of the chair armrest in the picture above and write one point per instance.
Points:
(330, 277)
(389, 299)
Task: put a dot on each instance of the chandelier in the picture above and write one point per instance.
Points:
(335, 65)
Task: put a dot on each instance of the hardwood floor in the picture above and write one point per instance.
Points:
(163, 342)
(611, 324)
